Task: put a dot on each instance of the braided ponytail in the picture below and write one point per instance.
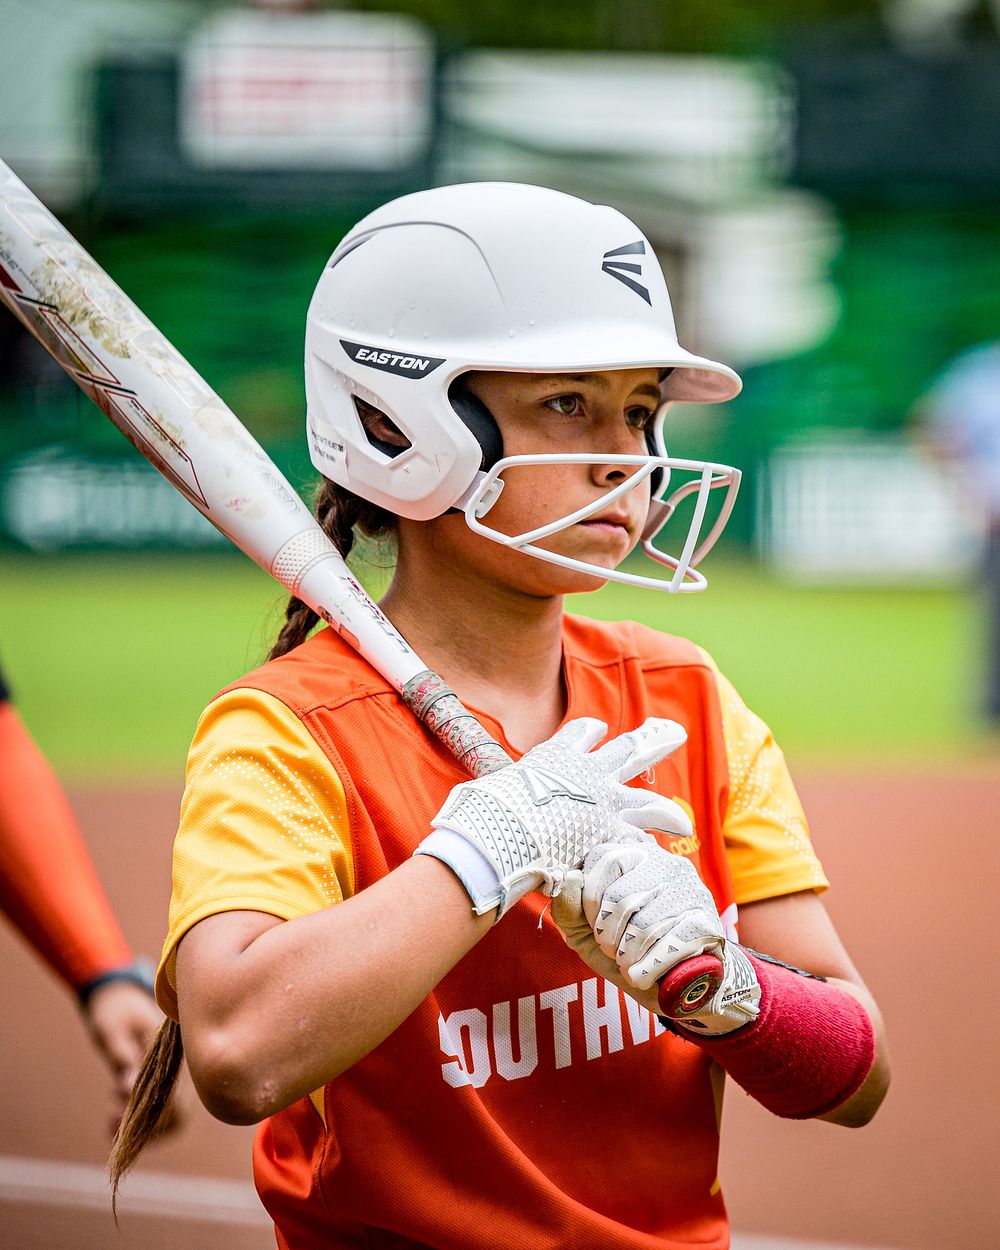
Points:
(338, 513)
(150, 1106)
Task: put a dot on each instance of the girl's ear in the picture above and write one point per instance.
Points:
(381, 430)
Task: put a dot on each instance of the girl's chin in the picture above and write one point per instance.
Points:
(564, 581)
(600, 557)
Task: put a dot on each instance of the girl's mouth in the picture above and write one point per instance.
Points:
(605, 525)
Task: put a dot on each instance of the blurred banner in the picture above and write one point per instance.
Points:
(261, 111)
(865, 509)
(346, 91)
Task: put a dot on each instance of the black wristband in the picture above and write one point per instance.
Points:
(780, 963)
(671, 1027)
(138, 972)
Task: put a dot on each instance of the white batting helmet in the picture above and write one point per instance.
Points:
(492, 276)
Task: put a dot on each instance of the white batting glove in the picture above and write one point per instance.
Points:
(567, 912)
(649, 911)
(648, 908)
(534, 820)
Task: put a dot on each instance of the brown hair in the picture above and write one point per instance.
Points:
(342, 515)
(338, 512)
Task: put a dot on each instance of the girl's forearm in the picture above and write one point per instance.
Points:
(290, 1005)
(862, 1105)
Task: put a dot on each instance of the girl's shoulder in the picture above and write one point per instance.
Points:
(323, 671)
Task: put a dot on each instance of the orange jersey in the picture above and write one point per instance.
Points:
(525, 1102)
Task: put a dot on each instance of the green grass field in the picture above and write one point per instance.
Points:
(111, 660)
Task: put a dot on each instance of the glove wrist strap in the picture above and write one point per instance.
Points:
(476, 873)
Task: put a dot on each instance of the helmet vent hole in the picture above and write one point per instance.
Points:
(380, 429)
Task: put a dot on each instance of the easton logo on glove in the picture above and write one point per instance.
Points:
(544, 786)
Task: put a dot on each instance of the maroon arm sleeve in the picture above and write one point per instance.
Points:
(810, 1048)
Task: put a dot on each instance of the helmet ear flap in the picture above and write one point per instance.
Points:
(478, 419)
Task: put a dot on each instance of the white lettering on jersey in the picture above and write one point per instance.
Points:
(479, 1046)
(472, 1062)
(508, 1067)
(640, 1021)
(558, 1001)
(601, 1021)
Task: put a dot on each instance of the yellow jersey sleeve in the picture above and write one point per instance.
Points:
(767, 839)
(263, 823)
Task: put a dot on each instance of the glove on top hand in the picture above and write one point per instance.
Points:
(535, 819)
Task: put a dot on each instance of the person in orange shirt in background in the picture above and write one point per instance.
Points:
(50, 892)
(360, 952)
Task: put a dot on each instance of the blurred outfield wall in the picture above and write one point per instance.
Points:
(825, 209)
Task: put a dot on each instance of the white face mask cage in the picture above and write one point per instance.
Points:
(487, 489)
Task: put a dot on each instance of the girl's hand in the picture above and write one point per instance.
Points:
(121, 1019)
(531, 822)
(568, 913)
(641, 911)
(648, 909)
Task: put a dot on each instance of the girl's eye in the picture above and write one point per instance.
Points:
(639, 418)
(568, 405)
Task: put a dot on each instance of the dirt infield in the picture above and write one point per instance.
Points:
(914, 859)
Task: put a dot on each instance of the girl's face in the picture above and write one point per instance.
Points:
(605, 414)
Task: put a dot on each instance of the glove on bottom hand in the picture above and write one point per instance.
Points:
(648, 909)
(636, 911)
(567, 912)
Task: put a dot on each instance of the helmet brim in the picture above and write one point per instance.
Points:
(692, 379)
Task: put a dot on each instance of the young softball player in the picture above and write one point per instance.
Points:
(361, 955)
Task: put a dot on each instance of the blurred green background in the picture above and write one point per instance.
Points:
(821, 182)
(112, 660)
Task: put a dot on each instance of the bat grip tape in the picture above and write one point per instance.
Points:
(434, 703)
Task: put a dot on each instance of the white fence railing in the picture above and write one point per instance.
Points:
(865, 508)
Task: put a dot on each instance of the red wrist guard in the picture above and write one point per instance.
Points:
(807, 1052)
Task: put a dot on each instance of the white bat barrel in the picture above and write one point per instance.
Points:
(115, 353)
(174, 418)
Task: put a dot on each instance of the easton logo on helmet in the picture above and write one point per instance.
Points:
(620, 269)
(403, 363)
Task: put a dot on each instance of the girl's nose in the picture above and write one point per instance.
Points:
(611, 474)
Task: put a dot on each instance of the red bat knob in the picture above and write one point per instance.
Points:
(688, 987)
